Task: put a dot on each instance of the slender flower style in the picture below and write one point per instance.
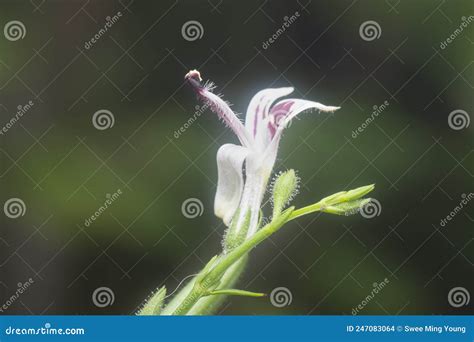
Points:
(259, 138)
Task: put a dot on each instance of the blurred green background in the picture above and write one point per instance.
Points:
(63, 168)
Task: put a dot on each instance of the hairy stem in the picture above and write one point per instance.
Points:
(211, 279)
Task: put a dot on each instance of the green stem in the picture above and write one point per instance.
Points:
(208, 305)
(306, 210)
(202, 286)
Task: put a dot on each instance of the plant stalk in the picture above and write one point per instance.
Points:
(208, 281)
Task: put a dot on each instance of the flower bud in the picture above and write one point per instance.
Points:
(346, 196)
(357, 193)
(284, 188)
(346, 208)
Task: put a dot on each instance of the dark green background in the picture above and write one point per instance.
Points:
(62, 167)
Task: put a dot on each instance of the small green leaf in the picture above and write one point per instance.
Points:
(234, 292)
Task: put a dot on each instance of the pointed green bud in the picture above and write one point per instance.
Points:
(355, 194)
(340, 203)
(154, 304)
(346, 208)
(284, 188)
(234, 292)
(333, 199)
(346, 196)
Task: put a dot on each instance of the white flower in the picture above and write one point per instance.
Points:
(259, 138)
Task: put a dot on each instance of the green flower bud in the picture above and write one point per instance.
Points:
(346, 208)
(340, 203)
(284, 188)
(355, 194)
(346, 196)
(333, 199)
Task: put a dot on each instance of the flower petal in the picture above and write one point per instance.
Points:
(280, 115)
(283, 111)
(218, 106)
(230, 159)
(258, 110)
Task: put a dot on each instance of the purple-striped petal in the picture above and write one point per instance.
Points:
(257, 111)
(280, 115)
(283, 111)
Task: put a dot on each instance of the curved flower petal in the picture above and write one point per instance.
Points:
(258, 108)
(280, 115)
(218, 106)
(283, 111)
(230, 159)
